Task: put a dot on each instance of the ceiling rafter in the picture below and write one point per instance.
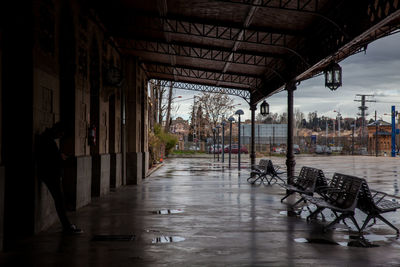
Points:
(206, 88)
(213, 54)
(210, 75)
(226, 33)
(274, 38)
(309, 6)
(178, 22)
(239, 36)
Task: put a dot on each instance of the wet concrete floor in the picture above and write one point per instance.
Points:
(197, 212)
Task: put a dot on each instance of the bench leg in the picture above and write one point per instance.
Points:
(269, 181)
(355, 223)
(388, 223)
(277, 177)
(341, 217)
(287, 195)
(314, 214)
(369, 217)
(260, 177)
(298, 201)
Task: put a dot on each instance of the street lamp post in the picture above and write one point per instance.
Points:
(376, 134)
(231, 120)
(223, 123)
(213, 150)
(239, 112)
(218, 126)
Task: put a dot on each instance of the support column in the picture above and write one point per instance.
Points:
(253, 108)
(17, 177)
(134, 156)
(144, 127)
(290, 160)
(393, 146)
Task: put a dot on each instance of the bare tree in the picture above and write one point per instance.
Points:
(216, 105)
(298, 117)
(169, 105)
(162, 103)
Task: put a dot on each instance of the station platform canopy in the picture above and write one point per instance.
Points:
(255, 46)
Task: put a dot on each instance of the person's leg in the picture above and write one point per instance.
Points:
(56, 191)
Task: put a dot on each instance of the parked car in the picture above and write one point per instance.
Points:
(296, 149)
(279, 150)
(216, 150)
(235, 149)
(323, 149)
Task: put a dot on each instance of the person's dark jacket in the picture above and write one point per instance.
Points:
(49, 160)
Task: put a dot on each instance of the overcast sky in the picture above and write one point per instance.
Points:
(377, 72)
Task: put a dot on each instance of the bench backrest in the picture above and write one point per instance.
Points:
(321, 179)
(307, 178)
(366, 200)
(263, 164)
(347, 191)
(267, 166)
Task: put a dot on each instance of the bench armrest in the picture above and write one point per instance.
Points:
(326, 189)
(378, 194)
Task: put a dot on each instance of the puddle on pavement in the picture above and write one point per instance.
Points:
(165, 212)
(151, 230)
(364, 241)
(290, 213)
(167, 239)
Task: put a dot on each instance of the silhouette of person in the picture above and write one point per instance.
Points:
(50, 166)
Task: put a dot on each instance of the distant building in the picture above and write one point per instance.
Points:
(180, 127)
(384, 137)
(265, 133)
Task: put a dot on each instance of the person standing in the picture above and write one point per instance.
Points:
(49, 166)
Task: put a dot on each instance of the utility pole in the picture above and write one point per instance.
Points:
(363, 112)
(338, 117)
(326, 132)
(376, 135)
(352, 137)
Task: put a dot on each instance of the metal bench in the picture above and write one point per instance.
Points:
(265, 171)
(258, 172)
(340, 197)
(307, 182)
(373, 204)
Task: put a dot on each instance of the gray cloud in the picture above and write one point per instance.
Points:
(376, 72)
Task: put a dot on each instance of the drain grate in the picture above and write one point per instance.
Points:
(113, 238)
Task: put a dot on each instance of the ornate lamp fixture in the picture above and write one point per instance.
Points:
(333, 76)
(264, 108)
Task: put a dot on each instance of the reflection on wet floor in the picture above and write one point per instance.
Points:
(290, 213)
(167, 239)
(362, 241)
(113, 238)
(164, 212)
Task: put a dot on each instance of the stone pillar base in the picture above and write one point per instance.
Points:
(115, 170)
(145, 164)
(100, 175)
(134, 165)
(78, 181)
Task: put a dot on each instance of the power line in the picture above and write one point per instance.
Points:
(363, 108)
